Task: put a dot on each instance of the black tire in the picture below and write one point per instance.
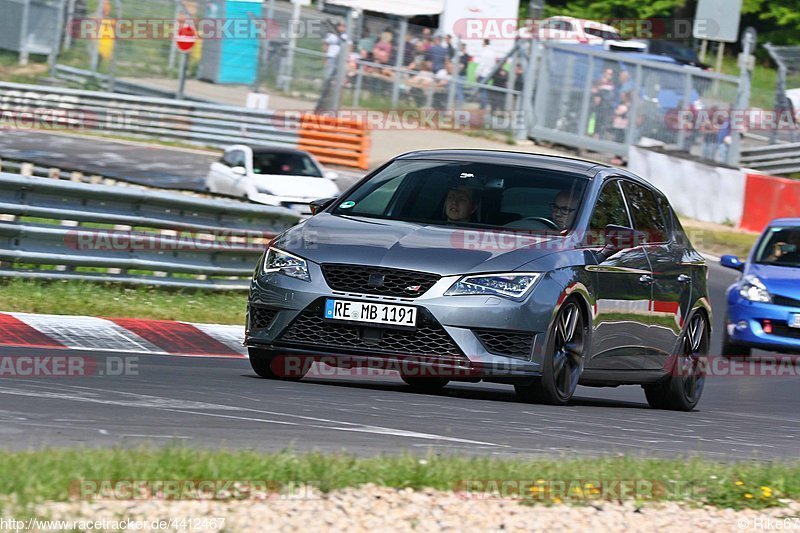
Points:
(422, 384)
(270, 365)
(682, 389)
(564, 359)
(731, 350)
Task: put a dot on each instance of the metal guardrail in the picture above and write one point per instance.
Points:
(55, 229)
(775, 159)
(194, 122)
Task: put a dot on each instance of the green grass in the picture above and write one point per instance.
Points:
(114, 300)
(47, 475)
(719, 241)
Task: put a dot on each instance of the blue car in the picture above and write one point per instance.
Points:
(764, 305)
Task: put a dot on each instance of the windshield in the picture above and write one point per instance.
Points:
(780, 246)
(469, 194)
(285, 164)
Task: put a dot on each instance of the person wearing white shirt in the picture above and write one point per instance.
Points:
(332, 46)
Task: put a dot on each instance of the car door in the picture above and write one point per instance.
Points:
(239, 182)
(622, 292)
(671, 275)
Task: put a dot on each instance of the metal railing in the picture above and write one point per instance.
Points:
(54, 229)
(775, 159)
(192, 122)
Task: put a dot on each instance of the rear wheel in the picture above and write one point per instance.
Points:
(682, 390)
(425, 384)
(563, 362)
(270, 365)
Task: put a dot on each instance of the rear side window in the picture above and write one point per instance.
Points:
(609, 210)
(647, 216)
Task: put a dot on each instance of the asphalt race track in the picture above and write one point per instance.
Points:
(151, 165)
(199, 401)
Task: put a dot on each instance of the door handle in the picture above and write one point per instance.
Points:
(683, 278)
(646, 279)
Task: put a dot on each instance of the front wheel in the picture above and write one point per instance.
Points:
(681, 391)
(563, 361)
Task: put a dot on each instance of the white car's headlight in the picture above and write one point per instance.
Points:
(510, 285)
(753, 289)
(287, 264)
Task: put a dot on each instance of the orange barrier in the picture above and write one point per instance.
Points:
(767, 198)
(335, 141)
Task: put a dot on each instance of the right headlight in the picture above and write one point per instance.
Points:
(753, 289)
(508, 285)
(287, 264)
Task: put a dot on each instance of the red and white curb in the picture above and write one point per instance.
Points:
(160, 337)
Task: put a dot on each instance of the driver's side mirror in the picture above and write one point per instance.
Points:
(318, 205)
(618, 238)
(731, 261)
(331, 175)
(239, 171)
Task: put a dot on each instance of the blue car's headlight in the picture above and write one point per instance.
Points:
(287, 264)
(510, 285)
(753, 289)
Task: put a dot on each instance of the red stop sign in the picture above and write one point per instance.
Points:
(186, 38)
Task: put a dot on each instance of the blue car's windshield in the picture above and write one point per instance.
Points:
(779, 246)
(469, 194)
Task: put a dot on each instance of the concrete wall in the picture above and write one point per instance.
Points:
(696, 190)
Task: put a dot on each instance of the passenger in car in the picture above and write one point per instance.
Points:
(461, 204)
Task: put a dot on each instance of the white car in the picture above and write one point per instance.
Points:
(271, 175)
(583, 31)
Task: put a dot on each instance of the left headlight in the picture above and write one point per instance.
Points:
(510, 285)
(753, 289)
(287, 264)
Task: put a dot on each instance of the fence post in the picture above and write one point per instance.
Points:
(685, 105)
(527, 107)
(23, 33)
(633, 112)
(398, 64)
(587, 96)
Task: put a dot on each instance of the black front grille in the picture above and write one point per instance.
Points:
(782, 329)
(261, 317)
(428, 340)
(784, 300)
(501, 342)
(377, 280)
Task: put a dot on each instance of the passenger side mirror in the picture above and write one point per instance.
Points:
(731, 261)
(318, 205)
(620, 238)
(240, 171)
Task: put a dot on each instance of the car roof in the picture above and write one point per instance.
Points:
(261, 149)
(551, 162)
(794, 221)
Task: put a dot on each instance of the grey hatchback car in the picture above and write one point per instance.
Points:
(535, 271)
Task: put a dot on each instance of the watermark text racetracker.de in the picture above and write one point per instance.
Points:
(58, 366)
(200, 523)
(192, 489)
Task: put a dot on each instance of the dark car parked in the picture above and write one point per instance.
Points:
(537, 271)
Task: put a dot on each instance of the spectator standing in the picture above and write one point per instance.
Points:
(331, 46)
(437, 54)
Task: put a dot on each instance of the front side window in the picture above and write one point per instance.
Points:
(646, 214)
(234, 158)
(608, 211)
(469, 194)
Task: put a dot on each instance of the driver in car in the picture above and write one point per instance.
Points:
(461, 204)
(563, 209)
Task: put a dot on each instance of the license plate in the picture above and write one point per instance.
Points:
(396, 315)
(794, 320)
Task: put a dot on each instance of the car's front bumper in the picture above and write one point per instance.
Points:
(745, 324)
(456, 327)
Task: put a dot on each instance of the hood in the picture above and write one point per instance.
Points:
(326, 238)
(784, 281)
(296, 186)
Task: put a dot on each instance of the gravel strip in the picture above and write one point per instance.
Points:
(372, 508)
